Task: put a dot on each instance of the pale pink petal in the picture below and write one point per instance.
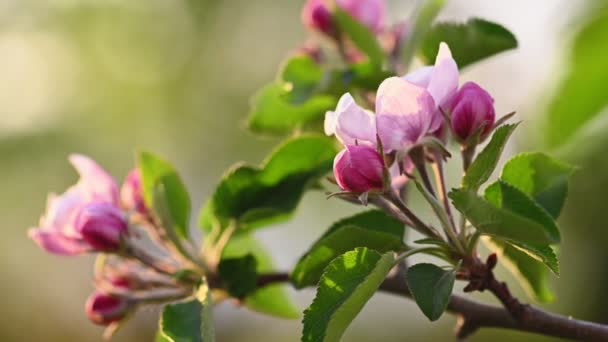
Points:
(420, 77)
(62, 210)
(55, 243)
(94, 180)
(398, 131)
(353, 124)
(399, 97)
(331, 120)
(443, 83)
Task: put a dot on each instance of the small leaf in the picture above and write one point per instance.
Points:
(470, 42)
(272, 299)
(530, 273)
(431, 287)
(272, 111)
(239, 275)
(541, 177)
(499, 222)
(423, 18)
(505, 196)
(164, 191)
(348, 283)
(301, 75)
(482, 167)
(363, 38)
(188, 321)
(254, 197)
(372, 229)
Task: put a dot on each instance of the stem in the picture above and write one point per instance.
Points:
(411, 252)
(443, 193)
(468, 152)
(417, 156)
(417, 222)
(449, 230)
(389, 208)
(473, 315)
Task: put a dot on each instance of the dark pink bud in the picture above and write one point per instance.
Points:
(359, 168)
(317, 16)
(104, 309)
(471, 108)
(101, 226)
(131, 193)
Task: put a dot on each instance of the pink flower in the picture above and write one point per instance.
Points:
(471, 108)
(317, 14)
(104, 309)
(57, 232)
(102, 226)
(131, 193)
(359, 168)
(408, 108)
(404, 113)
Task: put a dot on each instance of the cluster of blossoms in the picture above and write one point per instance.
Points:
(136, 261)
(408, 109)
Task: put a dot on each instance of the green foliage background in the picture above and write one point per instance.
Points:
(105, 78)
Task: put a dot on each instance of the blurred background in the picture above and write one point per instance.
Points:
(107, 77)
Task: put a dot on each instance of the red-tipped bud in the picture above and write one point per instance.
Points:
(104, 309)
(131, 193)
(359, 168)
(317, 16)
(101, 226)
(471, 108)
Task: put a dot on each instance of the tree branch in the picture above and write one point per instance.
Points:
(473, 315)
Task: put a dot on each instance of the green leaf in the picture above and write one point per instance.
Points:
(499, 222)
(482, 167)
(271, 300)
(469, 42)
(252, 197)
(363, 38)
(272, 111)
(301, 74)
(188, 321)
(348, 283)
(423, 18)
(165, 192)
(372, 229)
(239, 274)
(580, 96)
(431, 287)
(531, 274)
(541, 177)
(505, 196)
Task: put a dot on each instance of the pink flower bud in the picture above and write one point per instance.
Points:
(359, 168)
(471, 108)
(317, 15)
(131, 193)
(101, 225)
(104, 309)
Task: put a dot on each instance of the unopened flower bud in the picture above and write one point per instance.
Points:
(104, 309)
(317, 15)
(471, 108)
(101, 226)
(131, 193)
(359, 168)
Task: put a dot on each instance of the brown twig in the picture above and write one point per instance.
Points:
(473, 315)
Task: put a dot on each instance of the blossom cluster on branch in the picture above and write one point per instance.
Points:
(394, 132)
